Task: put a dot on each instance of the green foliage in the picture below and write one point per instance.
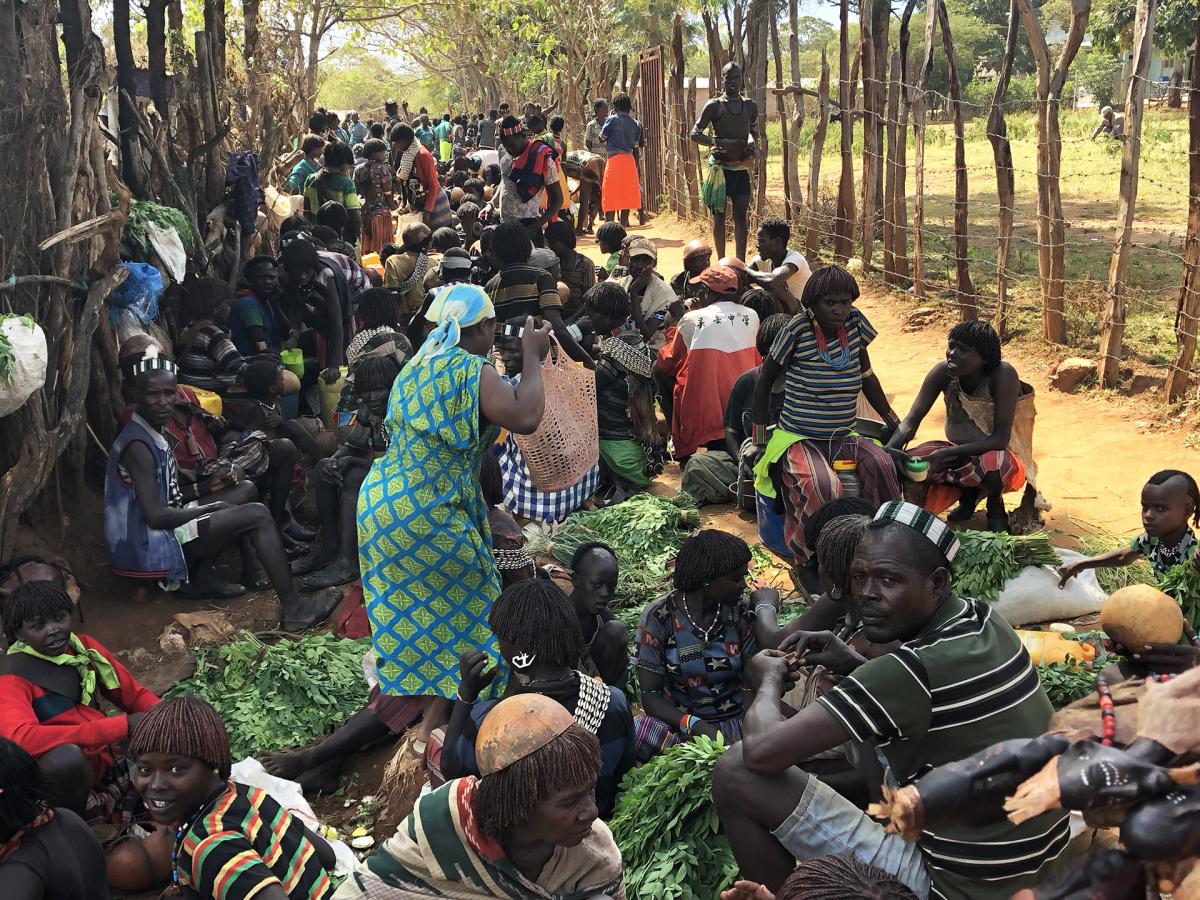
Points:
(6, 352)
(1111, 25)
(1096, 72)
(1183, 583)
(1069, 681)
(645, 532)
(356, 78)
(142, 212)
(273, 696)
(667, 828)
(987, 560)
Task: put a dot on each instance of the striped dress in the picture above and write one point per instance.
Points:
(245, 842)
(963, 684)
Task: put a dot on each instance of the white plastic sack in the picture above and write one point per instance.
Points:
(28, 344)
(169, 247)
(289, 795)
(1034, 595)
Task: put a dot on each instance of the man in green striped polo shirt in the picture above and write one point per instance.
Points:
(958, 682)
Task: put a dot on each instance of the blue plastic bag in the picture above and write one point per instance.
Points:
(138, 295)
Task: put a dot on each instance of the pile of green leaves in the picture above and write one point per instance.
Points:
(1069, 681)
(142, 212)
(644, 531)
(273, 696)
(989, 559)
(667, 827)
(6, 351)
(1183, 583)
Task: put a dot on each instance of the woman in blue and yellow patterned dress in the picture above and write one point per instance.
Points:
(428, 574)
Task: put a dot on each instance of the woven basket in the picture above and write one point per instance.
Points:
(567, 442)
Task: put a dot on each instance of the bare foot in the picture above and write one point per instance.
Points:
(338, 572)
(289, 764)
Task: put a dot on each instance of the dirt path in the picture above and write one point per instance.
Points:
(1094, 452)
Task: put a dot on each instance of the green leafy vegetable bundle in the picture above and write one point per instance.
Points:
(1069, 681)
(273, 696)
(1183, 583)
(142, 212)
(644, 531)
(989, 559)
(6, 351)
(667, 827)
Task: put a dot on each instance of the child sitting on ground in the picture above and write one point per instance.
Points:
(1169, 500)
(49, 704)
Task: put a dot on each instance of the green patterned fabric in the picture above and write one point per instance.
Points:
(428, 575)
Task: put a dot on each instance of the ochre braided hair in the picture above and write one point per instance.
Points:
(706, 556)
(34, 601)
(839, 877)
(836, 547)
(536, 617)
(508, 798)
(184, 726)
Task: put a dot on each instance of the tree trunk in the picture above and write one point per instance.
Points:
(900, 223)
(781, 108)
(1188, 309)
(1175, 89)
(812, 238)
(131, 170)
(918, 106)
(843, 224)
(889, 184)
(872, 155)
(997, 130)
(1051, 228)
(677, 128)
(156, 51)
(716, 51)
(760, 14)
(796, 209)
(968, 306)
(691, 150)
(1112, 330)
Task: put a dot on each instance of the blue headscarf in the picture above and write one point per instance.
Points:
(454, 307)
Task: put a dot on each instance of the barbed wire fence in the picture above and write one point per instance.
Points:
(913, 242)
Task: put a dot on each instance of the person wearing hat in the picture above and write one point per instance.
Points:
(713, 345)
(428, 575)
(527, 168)
(652, 297)
(959, 681)
(526, 829)
(697, 256)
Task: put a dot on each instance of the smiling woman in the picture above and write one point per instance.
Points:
(181, 763)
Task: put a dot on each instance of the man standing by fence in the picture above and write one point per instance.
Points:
(734, 119)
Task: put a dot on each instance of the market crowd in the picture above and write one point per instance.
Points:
(394, 354)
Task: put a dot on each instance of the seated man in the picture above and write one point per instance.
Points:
(989, 429)
(959, 682)
(776, 268)
(652, 297)
(50, 704)
(149, 531)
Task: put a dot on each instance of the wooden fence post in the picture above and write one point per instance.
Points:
(843, 223)
(997, 129)
(693, 155)
(812, 238)
(1112, 330)
(968, 306)
(919, 149)
(889, 183)
(781, 107)
(900, 222)
(1188, 310)
(678, 129)
(872, 154)
(796, 210)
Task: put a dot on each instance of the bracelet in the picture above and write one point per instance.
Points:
(867, 374)
(459, 697)
(687, 722)
(765, 605)
(575, 331)
(760, 434)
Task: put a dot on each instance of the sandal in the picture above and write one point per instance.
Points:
(321, 607)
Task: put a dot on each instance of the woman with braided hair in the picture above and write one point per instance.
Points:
(231, 840)
(526, 829)
(46, 853)
(50, 704)
(539, 638)
(827, 878)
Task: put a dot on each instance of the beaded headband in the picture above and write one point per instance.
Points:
(512, 560)
(149, 364)
(512, 129)
(923, 522)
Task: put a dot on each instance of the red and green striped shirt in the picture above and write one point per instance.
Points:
(247, 842)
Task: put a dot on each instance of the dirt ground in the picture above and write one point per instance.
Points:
(1094, 452)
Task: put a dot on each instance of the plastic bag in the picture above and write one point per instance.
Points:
(138, 294)
(28, 344)
(1034, 595)
(169, 247)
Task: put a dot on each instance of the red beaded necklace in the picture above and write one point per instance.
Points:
(1108, 712)
(10, 846)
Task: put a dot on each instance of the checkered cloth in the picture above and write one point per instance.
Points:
(925, 523)
(522, 498)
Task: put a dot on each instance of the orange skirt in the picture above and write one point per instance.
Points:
(377, 231)
(620, 188)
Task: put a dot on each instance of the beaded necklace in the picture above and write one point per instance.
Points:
(843, 358)
(705, 634)
(182, 830)
(9, 847)
(1108, 712)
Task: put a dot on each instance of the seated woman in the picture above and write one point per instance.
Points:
(693, 644)
(50, 705)
(624, 392)
(340, 476)
(527, 828)
(233, 840)
(989, 429)
(207, 356)
(149, 531)
(521, 496)
(594, 573)
(535, 626)
(48, 852)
